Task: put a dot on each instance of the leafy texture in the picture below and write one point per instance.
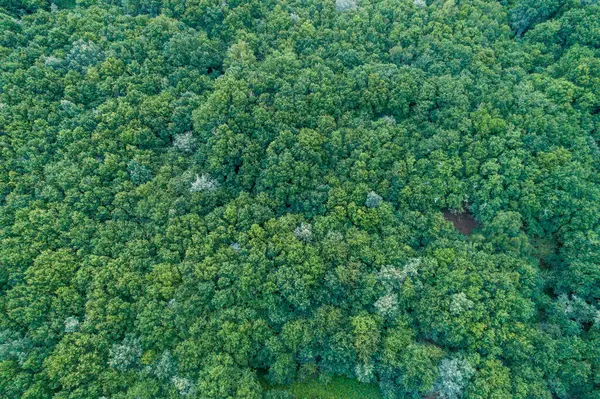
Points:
(320, 198)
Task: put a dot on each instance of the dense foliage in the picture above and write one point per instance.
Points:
(196, 192)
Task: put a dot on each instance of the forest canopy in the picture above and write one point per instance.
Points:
(206, 198)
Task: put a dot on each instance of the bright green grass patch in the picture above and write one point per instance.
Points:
(337, 388)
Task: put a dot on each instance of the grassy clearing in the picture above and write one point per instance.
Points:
(337, 388)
